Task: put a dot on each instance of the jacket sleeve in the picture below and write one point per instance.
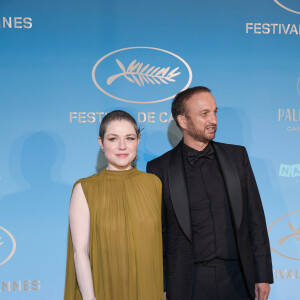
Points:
(151, 170)
(257, 227)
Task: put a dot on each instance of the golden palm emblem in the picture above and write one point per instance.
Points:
(136, 72)
(295, 234)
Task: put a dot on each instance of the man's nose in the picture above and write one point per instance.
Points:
(213, 118)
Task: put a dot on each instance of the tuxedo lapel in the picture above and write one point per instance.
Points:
(232, 182)
(178, 191)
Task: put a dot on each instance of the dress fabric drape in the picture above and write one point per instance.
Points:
(125, 245)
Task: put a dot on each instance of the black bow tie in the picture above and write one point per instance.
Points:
(206, 153)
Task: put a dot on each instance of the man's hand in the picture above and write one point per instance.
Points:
(262, 291)
(165, 296)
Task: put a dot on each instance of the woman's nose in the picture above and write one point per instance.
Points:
(122, 144)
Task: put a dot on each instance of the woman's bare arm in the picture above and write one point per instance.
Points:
(80, 230)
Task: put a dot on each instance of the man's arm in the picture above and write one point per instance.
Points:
(258, 229)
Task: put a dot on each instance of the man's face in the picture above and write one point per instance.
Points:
(200, 120)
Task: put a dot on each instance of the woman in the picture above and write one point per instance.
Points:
(115, 244)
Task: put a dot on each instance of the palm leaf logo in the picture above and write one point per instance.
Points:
(294, 234)
(136, 72)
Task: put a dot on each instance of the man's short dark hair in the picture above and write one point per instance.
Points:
(179, 102)
(117, 115)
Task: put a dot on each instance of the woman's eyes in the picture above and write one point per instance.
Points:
(128, 138)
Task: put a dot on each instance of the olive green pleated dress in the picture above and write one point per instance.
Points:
(125, 237)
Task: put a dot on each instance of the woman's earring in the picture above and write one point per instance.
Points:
(102, 150)
(134, 161)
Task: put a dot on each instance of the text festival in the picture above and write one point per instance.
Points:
(142, 117)
(272, 28)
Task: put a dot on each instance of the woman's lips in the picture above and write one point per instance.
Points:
(122, 155)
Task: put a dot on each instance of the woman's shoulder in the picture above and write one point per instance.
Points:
(150, 177)
(88, 180)
(152, 182)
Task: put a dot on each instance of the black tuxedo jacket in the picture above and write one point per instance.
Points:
(246, 211)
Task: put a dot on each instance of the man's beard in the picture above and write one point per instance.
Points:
(199, 135)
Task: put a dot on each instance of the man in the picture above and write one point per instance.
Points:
(216, 244)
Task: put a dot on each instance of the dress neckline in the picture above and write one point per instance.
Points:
(120, 174)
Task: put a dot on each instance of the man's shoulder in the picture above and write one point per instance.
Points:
(163, 159)
(230, 147)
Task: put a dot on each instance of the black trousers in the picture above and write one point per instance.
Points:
(219, 280)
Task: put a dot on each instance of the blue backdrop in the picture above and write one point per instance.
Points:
(64, 64)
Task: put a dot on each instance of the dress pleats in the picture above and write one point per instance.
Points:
(125, 237)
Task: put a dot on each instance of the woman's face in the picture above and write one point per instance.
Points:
(119, 144)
